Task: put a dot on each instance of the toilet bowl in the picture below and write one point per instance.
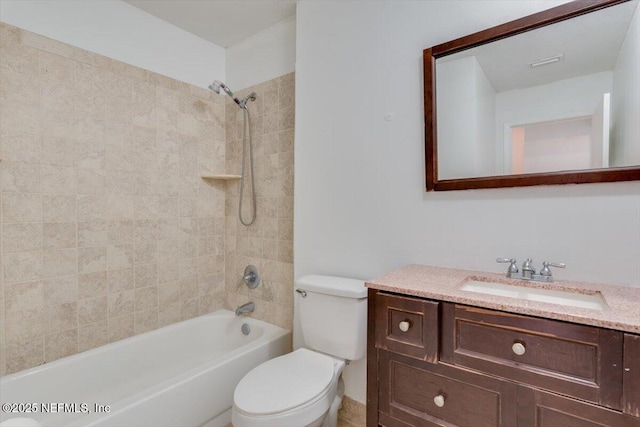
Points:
(304, 388)
(294, 390)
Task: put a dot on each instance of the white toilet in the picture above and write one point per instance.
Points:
(304, 388)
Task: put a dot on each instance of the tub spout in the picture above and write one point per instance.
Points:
(247, 308)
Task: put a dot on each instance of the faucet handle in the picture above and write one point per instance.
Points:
(513, 267)
(546, 271)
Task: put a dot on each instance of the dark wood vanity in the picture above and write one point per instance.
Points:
(438, 363)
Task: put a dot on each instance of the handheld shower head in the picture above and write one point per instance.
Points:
(217, 85)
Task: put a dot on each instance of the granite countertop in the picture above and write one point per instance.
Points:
(443, 284)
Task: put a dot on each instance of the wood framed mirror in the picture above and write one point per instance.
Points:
(551, 98)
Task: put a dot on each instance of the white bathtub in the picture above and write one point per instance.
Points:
(180, 375)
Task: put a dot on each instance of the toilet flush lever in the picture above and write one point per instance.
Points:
(302, 292)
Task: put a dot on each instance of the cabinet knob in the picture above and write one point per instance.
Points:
(404, 326)
(518, 348)
(439, 401)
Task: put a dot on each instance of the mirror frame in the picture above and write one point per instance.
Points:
(528, 23)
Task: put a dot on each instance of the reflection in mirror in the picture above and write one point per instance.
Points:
(558, 98)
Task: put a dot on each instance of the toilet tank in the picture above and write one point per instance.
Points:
(333, 315)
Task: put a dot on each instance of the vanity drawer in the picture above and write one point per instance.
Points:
(542, 409)
(424, 395)
(578, 360)
(407, 326)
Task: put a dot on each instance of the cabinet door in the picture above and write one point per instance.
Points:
(420, 394)
(631, 375)
(543, 409)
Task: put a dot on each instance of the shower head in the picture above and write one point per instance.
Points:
(217, 85)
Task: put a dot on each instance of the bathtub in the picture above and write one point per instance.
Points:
(180, 375)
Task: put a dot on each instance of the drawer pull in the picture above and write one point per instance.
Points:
(518, 348)
(439, 401)
(404, 326)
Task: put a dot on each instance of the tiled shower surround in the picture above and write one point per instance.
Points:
(268, 243)
(107, 228)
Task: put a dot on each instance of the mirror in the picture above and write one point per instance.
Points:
(552, 98)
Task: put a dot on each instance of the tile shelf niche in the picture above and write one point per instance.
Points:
(223, 177)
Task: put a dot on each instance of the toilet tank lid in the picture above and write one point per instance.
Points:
(332, 285)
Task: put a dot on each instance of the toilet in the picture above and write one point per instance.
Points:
(304, 388)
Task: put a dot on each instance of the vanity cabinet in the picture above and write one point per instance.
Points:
(437, 363)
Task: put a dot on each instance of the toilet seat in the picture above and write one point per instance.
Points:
(286, 384)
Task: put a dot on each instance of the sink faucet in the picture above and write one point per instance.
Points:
(243, 309)
(528, 272)
(527, 269)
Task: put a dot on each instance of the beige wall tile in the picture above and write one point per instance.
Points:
(145, 320)
(58, 208)
(93, 335)
(23, 296)
(22, 266)
(58, 317)
(21, 148)
(58, 180)
(60, 290)
(121, 303)
(60, 344)
(92, 284)
(120, 232)
(92, 310)
(120, 208)
(24, 354)
(59, 235)
(21, 237)
(92, 208)
(146, 298)
(92, 234)
(59, 151)
(23, 325)
(92, 260)
(91, 181)
(121, 327)
(21, 207)
(20, 178)
(146, 275)
(19, 58)
(169, 314)
(20, 119)
(59, 262)
(120, 280)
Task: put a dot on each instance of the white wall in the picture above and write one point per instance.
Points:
(557, 146)
(457, 118)
(120, 31)
(466, 118)
(268, 54)
(626, 99)
(485, 119)
(575, 97)
(360, 205)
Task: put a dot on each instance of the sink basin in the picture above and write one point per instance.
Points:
(593, 301)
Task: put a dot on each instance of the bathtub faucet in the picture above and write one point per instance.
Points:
(243, 309)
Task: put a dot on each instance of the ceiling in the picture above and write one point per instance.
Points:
(589, 43)
(223, 22)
